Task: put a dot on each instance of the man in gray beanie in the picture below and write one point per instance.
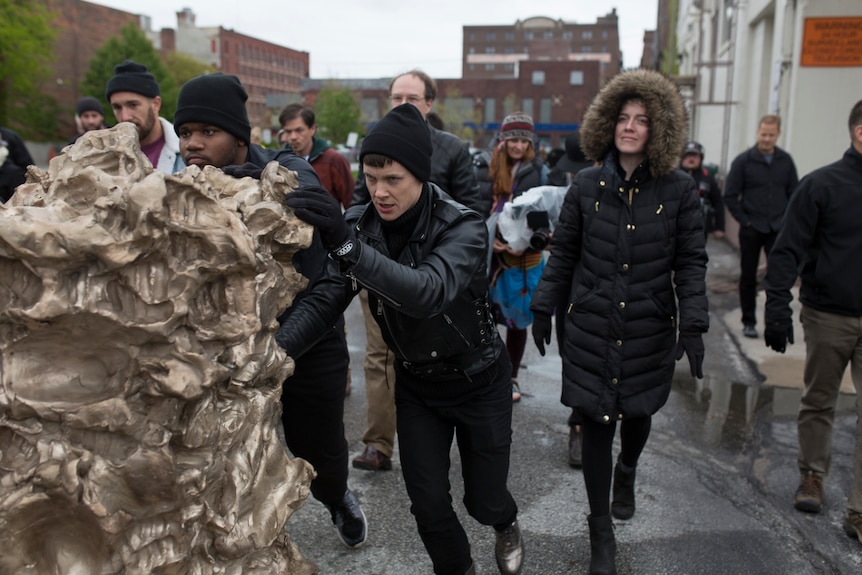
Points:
(422, 256)
(135, 97)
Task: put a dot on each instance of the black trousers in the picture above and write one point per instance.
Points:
(750, 243)
(312, 401)
(482, 426)
(598, 457)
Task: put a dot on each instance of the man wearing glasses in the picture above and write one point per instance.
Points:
(452, 170)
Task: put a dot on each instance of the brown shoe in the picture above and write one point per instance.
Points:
(372, 460)
(853, 524)
(809, 494)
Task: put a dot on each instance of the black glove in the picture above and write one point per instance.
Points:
(778, 334)
(691, 344)
(243, 170)
(541, 330)
(316, 207)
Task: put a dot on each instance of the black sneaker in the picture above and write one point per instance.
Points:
(349, 519)
(748, 330)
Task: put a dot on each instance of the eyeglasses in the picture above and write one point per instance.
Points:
(410, 99)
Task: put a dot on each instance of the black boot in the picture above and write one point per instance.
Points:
(603, 546)
(623, 504)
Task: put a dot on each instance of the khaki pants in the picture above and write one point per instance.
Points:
(831, 342)
(379, 386)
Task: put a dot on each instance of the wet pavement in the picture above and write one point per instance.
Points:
(714, 487)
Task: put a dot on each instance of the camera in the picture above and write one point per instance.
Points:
(540, 224)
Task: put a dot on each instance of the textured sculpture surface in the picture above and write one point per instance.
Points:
(139, 375)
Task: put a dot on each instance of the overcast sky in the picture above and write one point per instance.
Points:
(379, 38)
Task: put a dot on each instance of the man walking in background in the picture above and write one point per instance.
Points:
(756, 192)
(300, 130)
(135, 97)
(90, 115)
(822, 237)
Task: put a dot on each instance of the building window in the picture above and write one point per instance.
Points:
(491, 36)
(490, 49)
(545, 111)
(527, 108)
(489, 67)
(472, 50)
(538, 77)
(490, 109)
(567, 35)
(587, 35)
(586, 49)
(509, 36)
(509, 67)
(576, 78)
(528, 35)
(472, 36)
(471, 67)
(548, 35)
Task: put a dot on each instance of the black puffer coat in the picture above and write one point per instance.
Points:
(619, 263)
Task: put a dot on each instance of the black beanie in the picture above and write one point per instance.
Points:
(132, 77)
(89, 104)
(216, 99)
(403, 136)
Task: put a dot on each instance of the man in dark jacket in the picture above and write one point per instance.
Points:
(299, 127)
(756, 193)
(707, 188)
(14, 159)
(451, 170)
(823, 239)
(213, 127)
(421, 256)
(627, 251)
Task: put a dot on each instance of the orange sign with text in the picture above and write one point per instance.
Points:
(832, 42)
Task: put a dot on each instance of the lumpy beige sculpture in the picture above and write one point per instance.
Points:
(139, 376)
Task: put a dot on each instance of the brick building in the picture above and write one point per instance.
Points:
(82, 27)
(271, 74)
(498, 51)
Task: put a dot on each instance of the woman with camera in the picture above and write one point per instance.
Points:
(513, 169)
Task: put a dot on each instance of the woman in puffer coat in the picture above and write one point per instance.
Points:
(628, 255)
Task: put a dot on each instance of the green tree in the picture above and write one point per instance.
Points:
(26, 53)
(131, 44)
(458, 112)
(337, 114)
(183, 67)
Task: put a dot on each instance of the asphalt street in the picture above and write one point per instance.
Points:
(714, 487)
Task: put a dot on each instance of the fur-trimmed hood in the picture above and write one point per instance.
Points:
(666, 112)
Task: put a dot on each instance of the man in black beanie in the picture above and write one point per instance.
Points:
(213, 127)
(90, 116)
(422, 257)
(135, 97)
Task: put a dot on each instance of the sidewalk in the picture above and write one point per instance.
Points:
(778, 370)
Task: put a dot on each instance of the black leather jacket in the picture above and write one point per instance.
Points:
(431, 304)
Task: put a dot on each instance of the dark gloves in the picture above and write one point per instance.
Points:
(541, 330)
(778, 334)
(316, 207)
(243, 170)
(691, 344)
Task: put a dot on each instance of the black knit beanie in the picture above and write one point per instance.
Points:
(89, 104)
(403, 136)
(216, 99)
(132, 77)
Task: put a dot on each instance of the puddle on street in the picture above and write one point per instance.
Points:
(721, 413)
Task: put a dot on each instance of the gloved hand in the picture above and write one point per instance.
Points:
(691, 344)
(316, 207)
(541, 330)
(243, 170)
(778, 334)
